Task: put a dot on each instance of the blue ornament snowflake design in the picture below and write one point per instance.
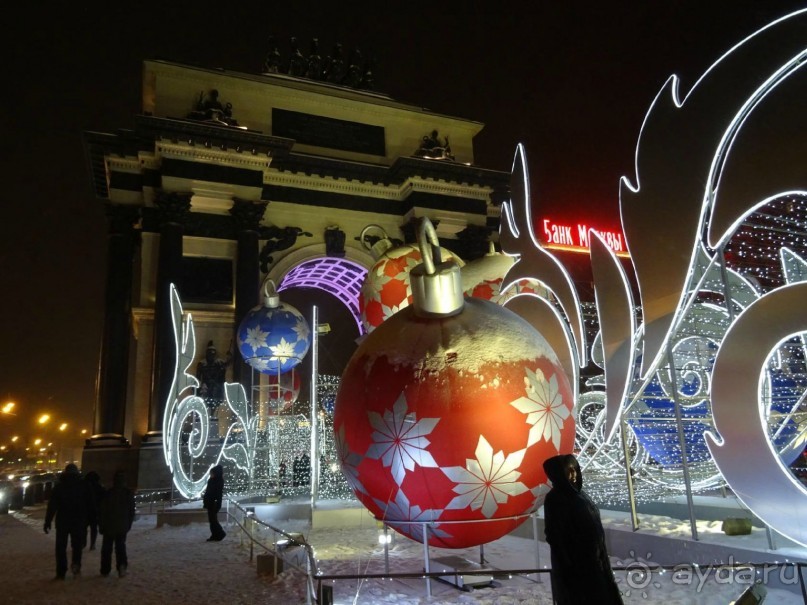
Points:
(274, 339)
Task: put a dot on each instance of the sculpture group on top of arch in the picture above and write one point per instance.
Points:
(704, 379)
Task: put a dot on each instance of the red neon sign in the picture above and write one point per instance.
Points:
(576, 237)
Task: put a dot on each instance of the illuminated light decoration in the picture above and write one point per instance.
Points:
(685, 208)
(518, 239)
(338, 276)
(447, 410)
(746, 458)
(273, 337)
(695, 307)
(577, 238)
(386, 289)
(617, 345)
(186, 423)
(737, 230)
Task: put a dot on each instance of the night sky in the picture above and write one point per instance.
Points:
(571, 80)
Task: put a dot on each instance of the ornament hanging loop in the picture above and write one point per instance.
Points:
(436, 285)
(271, 299)
(383, 244)
(429, 245)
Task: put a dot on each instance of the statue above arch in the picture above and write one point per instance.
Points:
(432, 148)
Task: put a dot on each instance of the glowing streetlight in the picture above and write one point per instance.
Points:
(83, 431)
(37, 441)
(14, 439)
(8, 408)
(43, 418)
(62, 426)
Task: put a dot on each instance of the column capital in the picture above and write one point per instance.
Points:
(172, 207)
(247, 214)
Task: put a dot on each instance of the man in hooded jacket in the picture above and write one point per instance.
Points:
(71, 503)
(581, 571)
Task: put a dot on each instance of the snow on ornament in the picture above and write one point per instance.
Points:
(273, 337)
(482, 278)
(386, 289)
(446, 412)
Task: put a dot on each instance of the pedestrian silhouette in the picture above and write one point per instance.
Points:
(93, 480)
(116, 518)
(71, 504)
(211, 499)
(581, 572)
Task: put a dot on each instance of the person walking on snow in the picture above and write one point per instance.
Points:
(71, 503)
(115, 521)
(93, 480)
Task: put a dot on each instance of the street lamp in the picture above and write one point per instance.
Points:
(8, 408)
(43, 418)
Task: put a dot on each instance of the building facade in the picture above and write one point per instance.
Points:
(228, 178)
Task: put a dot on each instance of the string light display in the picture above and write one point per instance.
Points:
(755, 260)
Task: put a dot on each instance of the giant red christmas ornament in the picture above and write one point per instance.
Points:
(283, 390)
(482, 278)
(386, 289)
(446, 412)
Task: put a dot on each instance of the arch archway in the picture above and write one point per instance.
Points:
(341, 277)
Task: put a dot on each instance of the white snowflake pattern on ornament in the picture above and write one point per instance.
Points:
(301, 329)
(399, 440)
(375, 285)
(544, 407)
(349, 460)
(390, 311)
(256, 338)
(260, 364)
(487, 481)
(401, 510)
(539, 492)
(282, 351)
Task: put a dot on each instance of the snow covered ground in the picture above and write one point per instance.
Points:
(174, 564)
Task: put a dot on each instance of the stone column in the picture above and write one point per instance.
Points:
(173, 209)
(247, 216)
(113, 367)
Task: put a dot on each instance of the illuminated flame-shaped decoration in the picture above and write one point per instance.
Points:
(709, 343)
(184, 408)
(562, 323)
(714, 136)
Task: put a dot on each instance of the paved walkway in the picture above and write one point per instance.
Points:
(169, 565)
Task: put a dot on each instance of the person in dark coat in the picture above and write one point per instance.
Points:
(115, 520)
(93, 480)
(581, 571)
(71, 503)
(211, 499)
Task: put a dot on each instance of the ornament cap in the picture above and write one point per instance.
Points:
(436, 288)
(271, 299)
(381, 246)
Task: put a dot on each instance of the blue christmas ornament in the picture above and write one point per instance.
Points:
(273, 337)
